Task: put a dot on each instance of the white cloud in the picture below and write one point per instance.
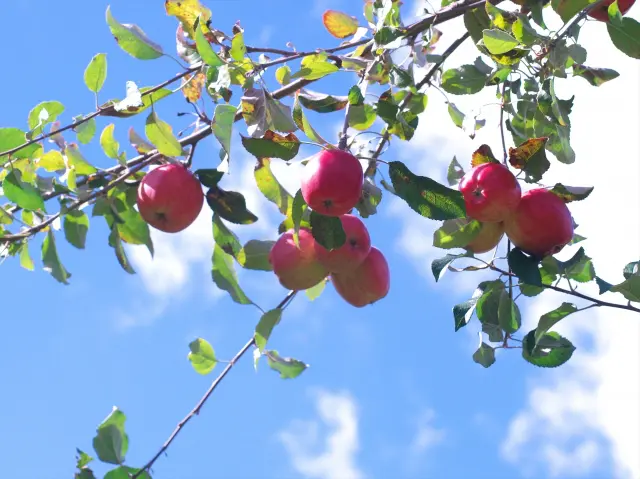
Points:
(427, 435)
(337, 457)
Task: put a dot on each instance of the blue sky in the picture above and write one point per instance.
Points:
(392, 390)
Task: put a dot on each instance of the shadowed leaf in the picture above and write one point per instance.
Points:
(254, 255)
(455, 172)
(321, 102)
(552, 350)
(303, 124)
(132, 39)
(225, 277)
(525, 267)
(626, 36)
(121, 255)
(270, 187)
(327, 230)
(571, 193)
(438, 265)
(485, 355)
(464, 80)
(483, 155)
(230, 205)
(595, 76)
(531, 158)
(76, 226)
(125, 472)
(111, 443)
(548, 320)
(272, 145)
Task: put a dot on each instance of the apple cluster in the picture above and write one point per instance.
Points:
(537, 221)
(331, 185)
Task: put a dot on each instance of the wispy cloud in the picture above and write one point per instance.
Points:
(326, 456)
(427, 435)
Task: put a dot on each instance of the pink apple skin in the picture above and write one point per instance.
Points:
(170, 198)
(542, 224)
(332, 181)
(297, 268)
(601, 12)
(368, 283)
(491, 192)
(353, 252)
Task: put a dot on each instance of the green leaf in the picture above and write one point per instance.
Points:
(109, 144)
(550, 319)
(265, 327)
(626, 36)
(567, 9)
(132, 39)
(362, 117)
(577, 53)
(121, 255)
(464, 80)
(476, 21)
(222, 125)
(426, 196)
(525, 267)
(52, 161)
(262, 112)
(283, 75)
(208, 177)
(509, 316)
(370, 198)
(160, 134)
(11, 138)
(571, 193)
(254, 255)
(438, 265)
(76, 225)
(314, 67)
(355, 96)
(125, 472)
(85, 131)
(321, 102)
(134, 102)
(455, 172)
(327, 230)
(225, 238)
(230, 205)
(551, 351)
(22, 194)
(595, 76)
(631, 269)
(302, 122)
(272, 145)
(270, 187)
(499, 75)
(498, 41)
(314, 292)
(43, 114)
(111, 443)
(456, 233)
(489, 295)
(203, 47)
(456, 115)
(485, 355)
(629, 288)
(225, 277)
(524, 32)
(202, 356)
(25, 258)
(238, 49)
(603, 286)
(96, 72)
(77, 161)
(460, 312)
(83, 459)
(579, 268)
(288, 368)
(531, 158)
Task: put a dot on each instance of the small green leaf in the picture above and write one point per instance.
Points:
(488, 296)
(629, 288)
(498, 41)
(85, 131)
(76, 161)
(314, 67)
(456, 233)
(254, 255)
(603, 286)
(25, 258)
(355, 97)
(298, 209)
(111, 443)
(626, 36)
(109, 144)
(238, 49)
(485, 355)
(314, 292)
(302, 122)
(11, 138)
(595, 76)
(76, 226)
(465, 80)
(631, 269)
(362, 117)
(125, 472)
(327, 230)
(83, 459)
(222, 125)
(578, 268)
(426, 196)
(438, 265)
(288, 368)
(270, 187)
(571, 193)
(524, 32)
(552, 350)
(160, 134)
(283, 75)
(531, 158)
(265, 327)
(550, 319)
(225, 238)
(230, 205)
(202, 356)
(455, 172)
(96, 72)
(43, 114)
(52, 161)
(132, 39)
(456, 115)
(525, 267)
(24, 195)
(134, 102)
(460, 312)
(476, 21)
(321, 102)
(115, 241)
(225, 277)
(272, 145)
(203, 47)
(509, 316)
(208, 177)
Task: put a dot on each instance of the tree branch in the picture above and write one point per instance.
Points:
(196, 410)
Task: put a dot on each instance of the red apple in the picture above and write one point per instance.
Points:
(296, 267)
(490, 191)
(488, 238)
(170, 198)
(601, 11)
(332, 182)
(366, 284)
(542, 224)
(353, 252)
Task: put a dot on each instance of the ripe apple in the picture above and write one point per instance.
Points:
(170, 198)
(490, 191)
(601, 11)
(542, 223)
(296, 267)
(354, 250)
(488, 238)
(332, 182)
(366, 284)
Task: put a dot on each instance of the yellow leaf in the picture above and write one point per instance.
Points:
(339, 24)
(193, 89)
(187, 12)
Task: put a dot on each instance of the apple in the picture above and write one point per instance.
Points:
(542, 223)
(490, 191)
(170, 198)
(354, 250)
(332, 182)
(488, 238)
(601, 11)
(366, 284)
(296, 267)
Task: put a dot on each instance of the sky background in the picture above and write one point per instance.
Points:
(391, 390)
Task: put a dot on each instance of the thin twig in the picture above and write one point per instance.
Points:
(196, 410)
